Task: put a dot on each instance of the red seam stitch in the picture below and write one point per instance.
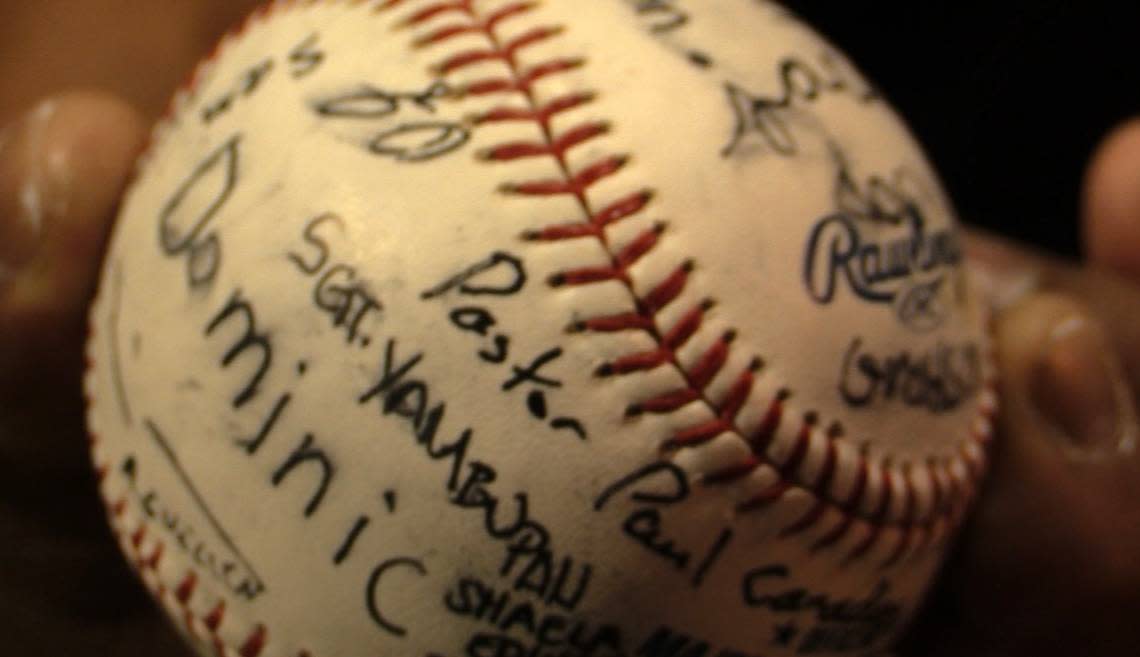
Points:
(910, 500)
(905, 538)
(573, 137)
(667, 290)
(588, 275)
(639, 362)
(443, 34)
(767, 497)
(827, 471)
(800, 448)
(710, 364)
(542, 114)
(740, 391)
(835, 535)
(522, 83)
(698, 434)
(615, 323)
(505, 53)
(808, 519)
(185, 589)
(575, 186)
(742, 469)
(686, 327)
(254, 643)
(665, 403)
(762, 439)
(884, 507)
(863, 547)
(431, 11)
(491, 22)
(623, 208)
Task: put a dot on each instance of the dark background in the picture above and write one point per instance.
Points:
(1009, 98)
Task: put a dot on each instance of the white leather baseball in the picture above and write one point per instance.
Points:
(498, 328)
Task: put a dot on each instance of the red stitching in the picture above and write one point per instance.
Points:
(255, 641)
(451, 31)
(542, 114)
(431, 11)
(767, 497)
(132, 542)
(835, 535)
(806, 521)
(571, 138)
(523, 82)
(575, 185)
(614, 323)
(827, 472)
(185, 589)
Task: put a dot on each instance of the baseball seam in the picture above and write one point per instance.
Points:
(954, 479)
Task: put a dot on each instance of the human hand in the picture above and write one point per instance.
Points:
(1050, 563)
(64, 587)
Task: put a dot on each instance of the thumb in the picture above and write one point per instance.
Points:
(1050, 564)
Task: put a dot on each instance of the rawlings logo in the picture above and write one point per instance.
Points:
(906, 271)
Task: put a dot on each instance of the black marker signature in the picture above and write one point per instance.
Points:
(184, 221)
(938, 379)
(410, 130)
(802, 84)
(656, 487)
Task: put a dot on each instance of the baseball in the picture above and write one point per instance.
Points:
(500, 328)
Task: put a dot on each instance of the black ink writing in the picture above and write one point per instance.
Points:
(905, 268)
(534, 630)
(250, 341)
(892, 199)
(802, 83)
(184, 222)
(503, 275)
(338, 290)
(655, 487)
(664, 15)
(306, 454)
(839, 625)
(309, 465)
(369, 102)
(938, 379)
(878, 244)
(529, 559)
(372, 596)
(420, 141)
(500, 274)
(301, 60)
(416, 138)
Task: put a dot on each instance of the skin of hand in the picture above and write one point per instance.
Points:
(1049, 564)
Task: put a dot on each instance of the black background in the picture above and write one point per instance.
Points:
(1009, 98)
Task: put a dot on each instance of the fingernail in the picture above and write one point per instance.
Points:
(34, 188)
(1079, 388)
